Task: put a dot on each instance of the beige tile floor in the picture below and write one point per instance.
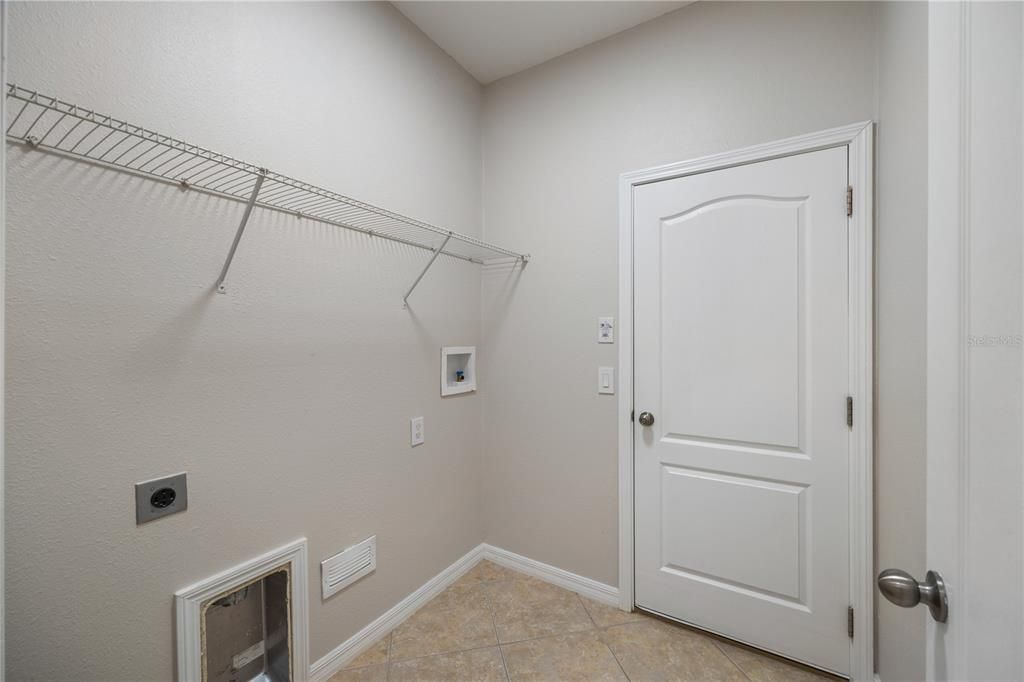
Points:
(497, 624)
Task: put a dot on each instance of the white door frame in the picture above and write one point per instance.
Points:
(859, 138)
(963, 224)
(948, 371)
(3, 326)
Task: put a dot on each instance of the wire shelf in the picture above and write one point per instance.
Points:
(45, 122)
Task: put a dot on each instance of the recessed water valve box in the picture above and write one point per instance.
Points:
(458, 369)
(160, 497)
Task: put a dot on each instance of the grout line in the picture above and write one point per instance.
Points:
(371, 665)
(729, 658)
(497, 639)
(447, 653)
(600, 630)
(494, 626)
(617, 661)
(587, 611)
(387, 657)
(554, 634)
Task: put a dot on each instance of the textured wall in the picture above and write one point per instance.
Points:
(288, 399)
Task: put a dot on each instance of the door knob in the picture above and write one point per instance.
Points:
(902, 589)
(646, 418)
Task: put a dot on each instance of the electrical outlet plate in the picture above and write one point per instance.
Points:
(606, 330)
(416, 431)
(160, 497)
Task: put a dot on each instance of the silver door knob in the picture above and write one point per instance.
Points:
(646, 418)
(902, 589)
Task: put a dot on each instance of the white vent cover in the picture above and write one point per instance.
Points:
(348, 566)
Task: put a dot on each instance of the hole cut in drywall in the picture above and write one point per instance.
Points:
(247, 632)
(247, 623)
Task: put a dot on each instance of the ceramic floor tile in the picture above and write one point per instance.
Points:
(470, 594)
(479, 665)
(562, 614)
(763, 668)
(438, 631)
(373, 673)
(578, 657)
(548, 633)
(604, 615)
(523, 589)
(652, 650)
(376, 654)
(487, 570)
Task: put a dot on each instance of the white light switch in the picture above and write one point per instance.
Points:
(606, 330)
(606, 380)
(416, 431)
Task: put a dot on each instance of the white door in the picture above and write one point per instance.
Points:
(742, 359)
(975, 510)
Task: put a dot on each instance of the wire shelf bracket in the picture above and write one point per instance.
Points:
(221, 288)
(48, 123)
(437, 252)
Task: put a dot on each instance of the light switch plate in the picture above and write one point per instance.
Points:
(606, 330)
(159, 497)
(416, 431)
(606, 380)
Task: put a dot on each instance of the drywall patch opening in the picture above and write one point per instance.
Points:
(247, 623)
(247, 632)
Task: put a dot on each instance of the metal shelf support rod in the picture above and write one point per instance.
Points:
(437, 252)
(221, 289)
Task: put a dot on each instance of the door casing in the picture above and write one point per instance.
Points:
(858, 137)
(973, 419)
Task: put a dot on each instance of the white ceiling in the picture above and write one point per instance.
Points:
(492, 40)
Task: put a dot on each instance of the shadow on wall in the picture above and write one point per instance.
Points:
(503, 279)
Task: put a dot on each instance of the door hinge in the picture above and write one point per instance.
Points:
(849, 200)
(849, 411)
(849, 621)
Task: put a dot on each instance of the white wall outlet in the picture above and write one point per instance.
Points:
(416, 431)
(606, 330)
(606, 380)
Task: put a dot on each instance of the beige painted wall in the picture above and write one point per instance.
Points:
(706, 78)
(288, 399)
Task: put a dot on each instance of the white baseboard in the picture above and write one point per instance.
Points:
(362, 640)
(340, 656)
(606, 594)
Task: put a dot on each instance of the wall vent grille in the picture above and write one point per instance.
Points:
(346, 567)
